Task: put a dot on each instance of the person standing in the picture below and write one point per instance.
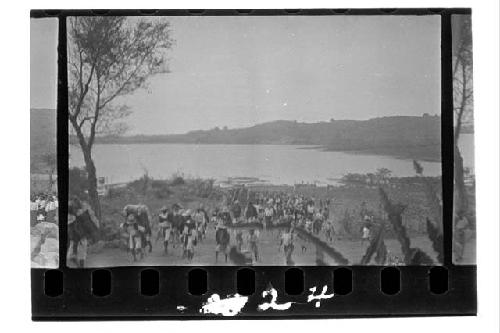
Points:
(82, 227)
(177, 225)
(236, 210)
(250, 212)
(287, 243)
(268, 215)
(252, 243)
(188, 235)
(366, 230)
(239, 240)
(222, 239)
(165, 227)
(134, 236)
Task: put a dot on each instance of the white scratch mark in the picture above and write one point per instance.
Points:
(181, 308)
(318, 297)
(229, 306)
(273, 304)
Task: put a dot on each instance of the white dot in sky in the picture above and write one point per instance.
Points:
(285, 104)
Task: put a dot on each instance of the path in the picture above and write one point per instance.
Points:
(269, 250)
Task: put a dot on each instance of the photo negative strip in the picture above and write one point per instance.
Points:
(464, 216)
(268, 164)
(258, 140)
(44, 221)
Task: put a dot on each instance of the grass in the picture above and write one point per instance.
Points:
(194, 192)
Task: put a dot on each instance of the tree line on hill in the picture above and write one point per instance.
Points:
(376, 135)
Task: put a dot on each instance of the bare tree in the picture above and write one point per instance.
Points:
(463, 115)
(462, 75)
(109, 57)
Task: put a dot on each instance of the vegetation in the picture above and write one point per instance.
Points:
(415, 137)
(464, 217)
(394, 221)
(108, 57)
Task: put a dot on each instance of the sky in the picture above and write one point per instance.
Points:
(43, 63)
(240, 71)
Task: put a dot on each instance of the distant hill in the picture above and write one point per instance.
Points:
(42, 136)
(401, 136)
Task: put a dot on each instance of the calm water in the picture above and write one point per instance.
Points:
(277, 164)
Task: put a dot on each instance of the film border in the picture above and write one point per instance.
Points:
(366, 300)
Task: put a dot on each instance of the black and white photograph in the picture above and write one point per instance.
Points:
(44, 202)
(299, 140)
(464, 215)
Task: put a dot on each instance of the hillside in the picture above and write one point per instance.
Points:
(42, 137)
(401, 136)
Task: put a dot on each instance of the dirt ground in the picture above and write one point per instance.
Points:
(270, 252)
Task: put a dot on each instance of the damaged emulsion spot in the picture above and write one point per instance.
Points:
(232, 305)
(181, 308)
(229, 306)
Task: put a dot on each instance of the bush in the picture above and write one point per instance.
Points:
(140, 185)
(178, 180)
(160, 189)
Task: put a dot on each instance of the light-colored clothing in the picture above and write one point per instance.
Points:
(268, 212)
(51, 205)
(366, 233)
(287, 238)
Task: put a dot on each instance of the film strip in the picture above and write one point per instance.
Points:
(437, 286)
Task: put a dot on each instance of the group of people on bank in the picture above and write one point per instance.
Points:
(237, 227)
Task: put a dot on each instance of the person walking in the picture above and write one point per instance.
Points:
(165, 224)
(287, 243)
(222, 239)
(252, 243)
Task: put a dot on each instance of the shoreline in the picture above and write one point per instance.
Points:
(402, 153)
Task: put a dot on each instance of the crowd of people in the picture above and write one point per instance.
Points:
(237, 226)
(44, 208)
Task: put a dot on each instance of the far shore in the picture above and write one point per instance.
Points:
(432, 154)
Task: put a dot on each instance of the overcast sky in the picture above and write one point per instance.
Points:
(239, 71)
(43, 63)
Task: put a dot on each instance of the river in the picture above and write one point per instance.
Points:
(275, 164)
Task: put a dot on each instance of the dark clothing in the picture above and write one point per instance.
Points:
(251, 211)
(177, 222)
(222, 237)
(236, 211)
(226, 218)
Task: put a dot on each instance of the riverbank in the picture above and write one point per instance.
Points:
(347, 200)
(419, 153)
